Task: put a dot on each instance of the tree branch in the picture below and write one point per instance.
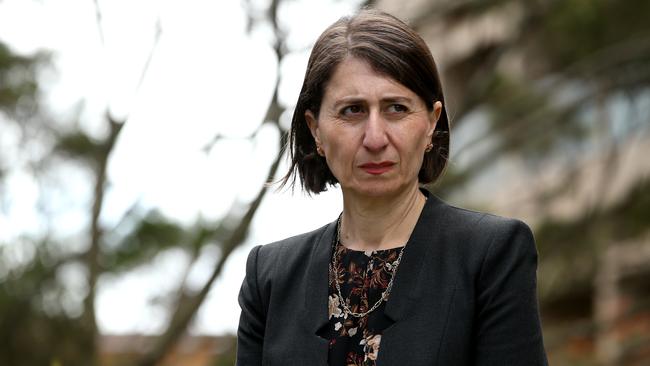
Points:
(92, 256)
(188, 305)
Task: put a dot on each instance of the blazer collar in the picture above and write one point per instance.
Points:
(317, 287)
(406, 284)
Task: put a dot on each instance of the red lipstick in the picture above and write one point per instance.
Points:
(377, 168)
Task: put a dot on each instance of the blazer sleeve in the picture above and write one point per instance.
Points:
(250, 334)
(508, 324)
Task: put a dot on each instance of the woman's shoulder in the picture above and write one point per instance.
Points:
(474, 235)
(291, 250)
(478, 222)
(284, 261)
(481, 243)
(297, 243)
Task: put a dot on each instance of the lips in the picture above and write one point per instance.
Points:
(377, 168)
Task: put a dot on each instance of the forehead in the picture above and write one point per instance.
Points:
(354, 76)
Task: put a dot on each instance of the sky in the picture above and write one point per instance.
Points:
(206, 76)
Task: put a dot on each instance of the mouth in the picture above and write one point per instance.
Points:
(377, 168)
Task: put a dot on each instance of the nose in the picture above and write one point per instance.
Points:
(375, 138)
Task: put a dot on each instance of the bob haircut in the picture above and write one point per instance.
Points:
(392, 49)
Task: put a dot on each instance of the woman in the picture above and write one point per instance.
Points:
(400, 278)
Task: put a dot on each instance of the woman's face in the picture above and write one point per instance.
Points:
(372, 130)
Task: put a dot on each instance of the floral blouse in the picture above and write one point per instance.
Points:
(363, 277)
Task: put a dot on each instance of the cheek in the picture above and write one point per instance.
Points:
(339, 153)
(414, 159)
(413, 135)
(336, 149)
(413, 146)
(338, 142)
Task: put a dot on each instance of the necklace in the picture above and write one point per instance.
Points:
(334, 264)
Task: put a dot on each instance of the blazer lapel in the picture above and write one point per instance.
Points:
(315, 315)
(406, 286)
(412, 280)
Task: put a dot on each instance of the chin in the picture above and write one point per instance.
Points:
(379, 190)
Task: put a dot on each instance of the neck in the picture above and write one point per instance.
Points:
(384, 223)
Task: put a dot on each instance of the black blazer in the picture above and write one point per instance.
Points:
(464, 294)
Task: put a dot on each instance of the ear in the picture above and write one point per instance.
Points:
(434, 116)
(313, 125)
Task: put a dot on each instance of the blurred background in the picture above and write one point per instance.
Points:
(136, 138)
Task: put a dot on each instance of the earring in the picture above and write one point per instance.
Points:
(319, 150)
(429, 147)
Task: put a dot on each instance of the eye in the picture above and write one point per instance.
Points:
(351, 110)
(397, 108)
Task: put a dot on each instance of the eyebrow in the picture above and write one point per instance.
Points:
(397, 99)
(347, 100)
(356, 100)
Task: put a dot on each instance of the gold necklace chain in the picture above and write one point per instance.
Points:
(334, 264)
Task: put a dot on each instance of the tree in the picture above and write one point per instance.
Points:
(29, 267)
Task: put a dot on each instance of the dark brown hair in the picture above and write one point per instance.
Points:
(391, 48)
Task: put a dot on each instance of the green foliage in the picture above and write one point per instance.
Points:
(528, 121)
(17, 78)
(578, 29)
(227, 358)
(34, 328)
(570, 248)
(630, 218)
(78, 145)
(149, 236)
